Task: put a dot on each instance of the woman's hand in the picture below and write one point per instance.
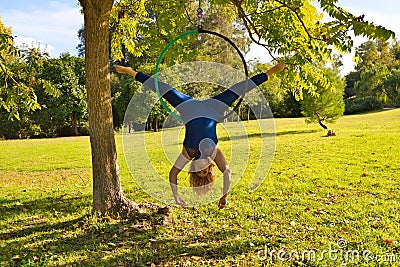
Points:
(180, 201)
(223, 201)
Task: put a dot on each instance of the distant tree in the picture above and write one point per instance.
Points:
(351, 80)
(377, 72)
(282, 101)
(122, 90)
(62, 101)
(63, 112)
(81, 45)
(18, 76)
(328, 104)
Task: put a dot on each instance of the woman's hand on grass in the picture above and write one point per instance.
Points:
(223, 201)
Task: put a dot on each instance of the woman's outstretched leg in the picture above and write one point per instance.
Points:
(230, 95)
(173, 96)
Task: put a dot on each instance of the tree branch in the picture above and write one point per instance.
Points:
(188, 16)
(311, 37)
(266, 11)
(250, 27)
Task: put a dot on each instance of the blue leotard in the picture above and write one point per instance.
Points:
(201, 116)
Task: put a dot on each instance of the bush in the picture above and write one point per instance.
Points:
(83, 128)
(19, 129)
(362, 104)
(27, 128)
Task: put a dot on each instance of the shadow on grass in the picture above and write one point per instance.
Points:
(369, 112)
(48, 205)
(298, 132)
(257, 135)
(62, 231)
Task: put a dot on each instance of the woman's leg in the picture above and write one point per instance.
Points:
(224, 168)
(240, 89)
(173, 96)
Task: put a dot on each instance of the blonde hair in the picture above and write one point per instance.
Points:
(202, 185)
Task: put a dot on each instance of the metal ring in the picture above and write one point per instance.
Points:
(199, 30)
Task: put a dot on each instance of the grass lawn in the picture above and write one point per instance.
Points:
(326, 201)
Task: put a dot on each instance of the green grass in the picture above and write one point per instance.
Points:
(318, 191)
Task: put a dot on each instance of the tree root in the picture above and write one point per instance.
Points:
(128, 209)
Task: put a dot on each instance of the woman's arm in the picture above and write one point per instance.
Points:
(173, 96)
(224, 168)
(173, 180)
(180, 162)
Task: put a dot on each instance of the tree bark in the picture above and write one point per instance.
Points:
(74, 123)
(155, 123)
(322, 125)
(108, 196)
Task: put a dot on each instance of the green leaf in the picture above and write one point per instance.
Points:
(50, 89)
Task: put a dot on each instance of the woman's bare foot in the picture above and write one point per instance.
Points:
(125, 70)
(275, 69)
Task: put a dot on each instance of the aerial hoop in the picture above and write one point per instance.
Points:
(197, 31)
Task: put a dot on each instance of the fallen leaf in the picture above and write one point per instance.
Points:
(320, 211)
(390, 241)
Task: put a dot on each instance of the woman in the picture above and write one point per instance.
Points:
(200, 145)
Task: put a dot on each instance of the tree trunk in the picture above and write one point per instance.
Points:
(74, 123)
(108, 196)
(149, 125)
(155, 124)
(322, 125)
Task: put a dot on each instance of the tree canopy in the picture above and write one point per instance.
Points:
(328, 104)
(291, 31)
(376, 80)
(16, 91)
(378, 68)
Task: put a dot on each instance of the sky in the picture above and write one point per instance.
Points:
(53, 25)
